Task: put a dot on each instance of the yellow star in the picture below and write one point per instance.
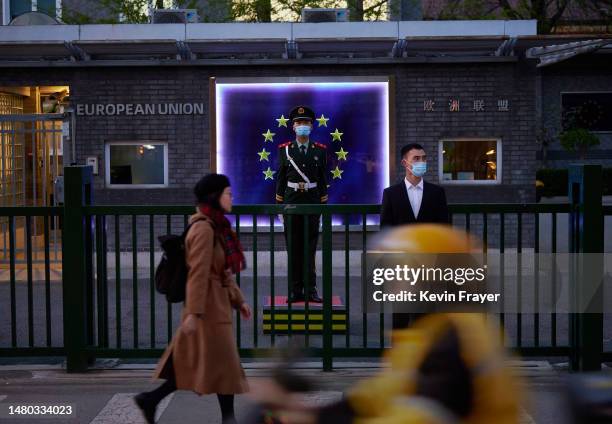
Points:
(322, 121)
(263, 155)
(282, 121)
(336, 135)
(341, 154)
(337, 172)
(268, 136)
(269, 174)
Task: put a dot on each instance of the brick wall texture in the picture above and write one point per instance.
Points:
(188, 136)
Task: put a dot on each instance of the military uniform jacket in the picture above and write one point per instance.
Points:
(313, 165)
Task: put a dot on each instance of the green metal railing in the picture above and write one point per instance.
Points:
(108, 306)
(19, 275)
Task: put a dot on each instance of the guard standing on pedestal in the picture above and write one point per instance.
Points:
(302, 180)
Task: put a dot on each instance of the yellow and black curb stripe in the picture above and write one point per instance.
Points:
(279, 322)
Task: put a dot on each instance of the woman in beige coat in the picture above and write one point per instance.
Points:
(203, 356)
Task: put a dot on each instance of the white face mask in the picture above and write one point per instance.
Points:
(419, 169)
(302, 130)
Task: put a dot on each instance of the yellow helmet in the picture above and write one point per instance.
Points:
(425, 238)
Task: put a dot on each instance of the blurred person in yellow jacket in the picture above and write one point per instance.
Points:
(445, 368)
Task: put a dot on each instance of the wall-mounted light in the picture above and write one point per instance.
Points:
(490, 152)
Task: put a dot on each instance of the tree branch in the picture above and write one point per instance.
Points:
(374, 6)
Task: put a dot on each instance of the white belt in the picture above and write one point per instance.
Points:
(301, 186)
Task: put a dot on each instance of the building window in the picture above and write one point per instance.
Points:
(591, 111)
(136, 165)
(470, 161)
(18, 7)
(47, 6)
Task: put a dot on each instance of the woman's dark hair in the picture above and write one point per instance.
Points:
(213, 199)
(209, 189)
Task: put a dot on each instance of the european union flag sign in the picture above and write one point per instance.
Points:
(352, 121)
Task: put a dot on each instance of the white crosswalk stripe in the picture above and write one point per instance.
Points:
(122, 409)
(2, 397)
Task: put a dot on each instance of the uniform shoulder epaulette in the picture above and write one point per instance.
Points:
(284, 144)
(322, 146)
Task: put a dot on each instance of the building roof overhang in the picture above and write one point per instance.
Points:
(271, 43)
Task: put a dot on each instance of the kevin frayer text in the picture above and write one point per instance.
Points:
(428, 296)
(415, 275)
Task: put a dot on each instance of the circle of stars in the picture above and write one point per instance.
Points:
(336, 135)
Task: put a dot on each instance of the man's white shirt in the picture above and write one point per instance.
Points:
(415, 195)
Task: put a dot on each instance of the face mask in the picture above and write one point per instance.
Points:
(302, 130)
(419, 169)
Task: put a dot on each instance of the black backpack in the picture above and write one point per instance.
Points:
(171, 272)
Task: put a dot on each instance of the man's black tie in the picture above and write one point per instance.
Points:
(303, 149)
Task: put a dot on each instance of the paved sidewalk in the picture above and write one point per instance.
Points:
(104, 396)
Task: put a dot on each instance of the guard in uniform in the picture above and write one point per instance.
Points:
(302, 180)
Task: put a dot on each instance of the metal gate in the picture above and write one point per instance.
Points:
(31, 167)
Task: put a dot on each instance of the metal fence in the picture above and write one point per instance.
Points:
(102, 303)
(31, 283)
(31, 152)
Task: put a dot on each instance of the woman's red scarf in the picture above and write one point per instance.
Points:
(234, 255)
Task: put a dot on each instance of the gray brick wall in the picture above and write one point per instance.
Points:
(188, 136)
(488, 82)
(582, 74)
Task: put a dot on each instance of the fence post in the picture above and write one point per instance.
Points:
(77, 193)
(327, 293)
(586, 236)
